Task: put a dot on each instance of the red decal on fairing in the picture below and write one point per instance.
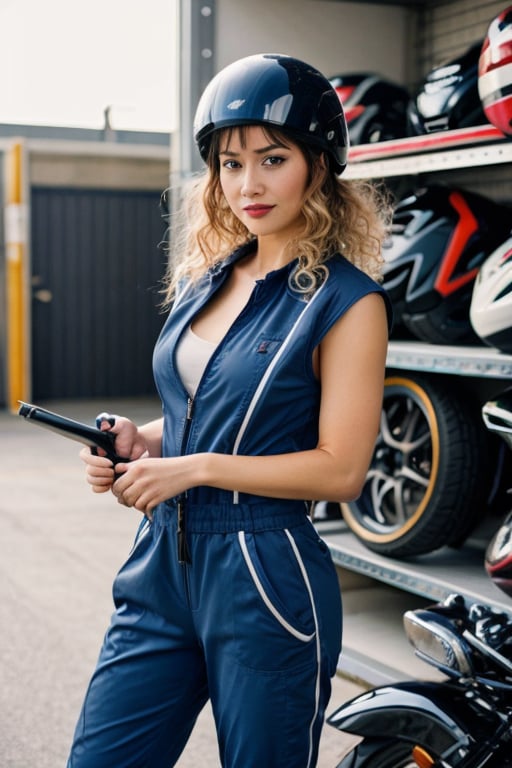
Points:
(445, 282)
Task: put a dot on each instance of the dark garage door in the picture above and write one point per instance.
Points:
(96, 267)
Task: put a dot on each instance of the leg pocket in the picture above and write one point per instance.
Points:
(326, 590)
(275, 622)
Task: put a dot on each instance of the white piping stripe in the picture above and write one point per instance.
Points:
(259, 586)
(317, 633)
(143, 530)
(261, 386)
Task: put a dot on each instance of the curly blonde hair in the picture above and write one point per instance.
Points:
(339, 216)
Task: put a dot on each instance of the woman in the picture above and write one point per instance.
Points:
(270, 369)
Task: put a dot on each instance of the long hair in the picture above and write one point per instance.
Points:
(348, 217)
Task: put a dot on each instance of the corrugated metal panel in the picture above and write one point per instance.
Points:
(96, 268)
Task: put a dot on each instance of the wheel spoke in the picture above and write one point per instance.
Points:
(401, 515)
(412, 422)
(419, 442)
(416, 477)
(378, 494)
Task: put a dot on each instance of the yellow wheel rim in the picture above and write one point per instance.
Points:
(384, 538)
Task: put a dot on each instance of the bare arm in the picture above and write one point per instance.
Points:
(351, 367)
(152, 434)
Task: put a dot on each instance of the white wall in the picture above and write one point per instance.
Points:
(335, 37)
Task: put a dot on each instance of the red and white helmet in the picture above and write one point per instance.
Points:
(495, 72)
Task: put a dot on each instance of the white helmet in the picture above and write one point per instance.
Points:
(491, 302)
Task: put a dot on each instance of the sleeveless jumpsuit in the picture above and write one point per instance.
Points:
(228, 596)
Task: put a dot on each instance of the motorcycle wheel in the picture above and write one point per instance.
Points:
(426, 482)
(370, 753)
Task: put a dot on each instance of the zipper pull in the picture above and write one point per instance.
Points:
(183, 551)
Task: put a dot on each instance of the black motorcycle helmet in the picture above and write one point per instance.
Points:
(375, 108)
(276, 90)
(440, 237)
(449, 97)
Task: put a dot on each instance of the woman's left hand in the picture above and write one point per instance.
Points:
(147, 482)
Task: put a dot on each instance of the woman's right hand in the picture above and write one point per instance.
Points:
(129, 443)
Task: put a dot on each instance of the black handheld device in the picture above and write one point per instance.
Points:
(75, 430)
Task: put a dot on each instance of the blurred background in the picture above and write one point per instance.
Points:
(96, 106)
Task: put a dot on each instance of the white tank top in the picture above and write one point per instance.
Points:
(192, 355)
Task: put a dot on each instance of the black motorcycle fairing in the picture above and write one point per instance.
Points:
(381, 753)
(442, 717)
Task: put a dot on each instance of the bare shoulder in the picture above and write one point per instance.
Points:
(366, 319)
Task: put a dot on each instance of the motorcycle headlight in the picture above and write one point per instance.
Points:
(437, 642)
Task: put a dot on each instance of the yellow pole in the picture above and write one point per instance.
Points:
(16, 237)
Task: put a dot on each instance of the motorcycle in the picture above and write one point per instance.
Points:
(464, 721)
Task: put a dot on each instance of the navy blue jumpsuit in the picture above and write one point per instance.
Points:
(251, 616)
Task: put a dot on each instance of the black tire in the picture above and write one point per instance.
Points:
(371, 753)
(426, 482)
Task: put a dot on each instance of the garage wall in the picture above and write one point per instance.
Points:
(446, 30)
(333, 36)
(57, 169)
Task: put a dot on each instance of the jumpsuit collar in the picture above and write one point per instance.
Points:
(222, 269)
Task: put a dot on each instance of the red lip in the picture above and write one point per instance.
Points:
(256, 211)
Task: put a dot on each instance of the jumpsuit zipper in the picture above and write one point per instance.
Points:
(183, 550)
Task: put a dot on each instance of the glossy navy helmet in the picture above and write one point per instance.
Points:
(275, 90)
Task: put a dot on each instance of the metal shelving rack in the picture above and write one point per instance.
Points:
(449, 570)
(495, 153)
(433, 576)
(479, 361)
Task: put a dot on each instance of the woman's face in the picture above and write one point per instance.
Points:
(263, 181)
